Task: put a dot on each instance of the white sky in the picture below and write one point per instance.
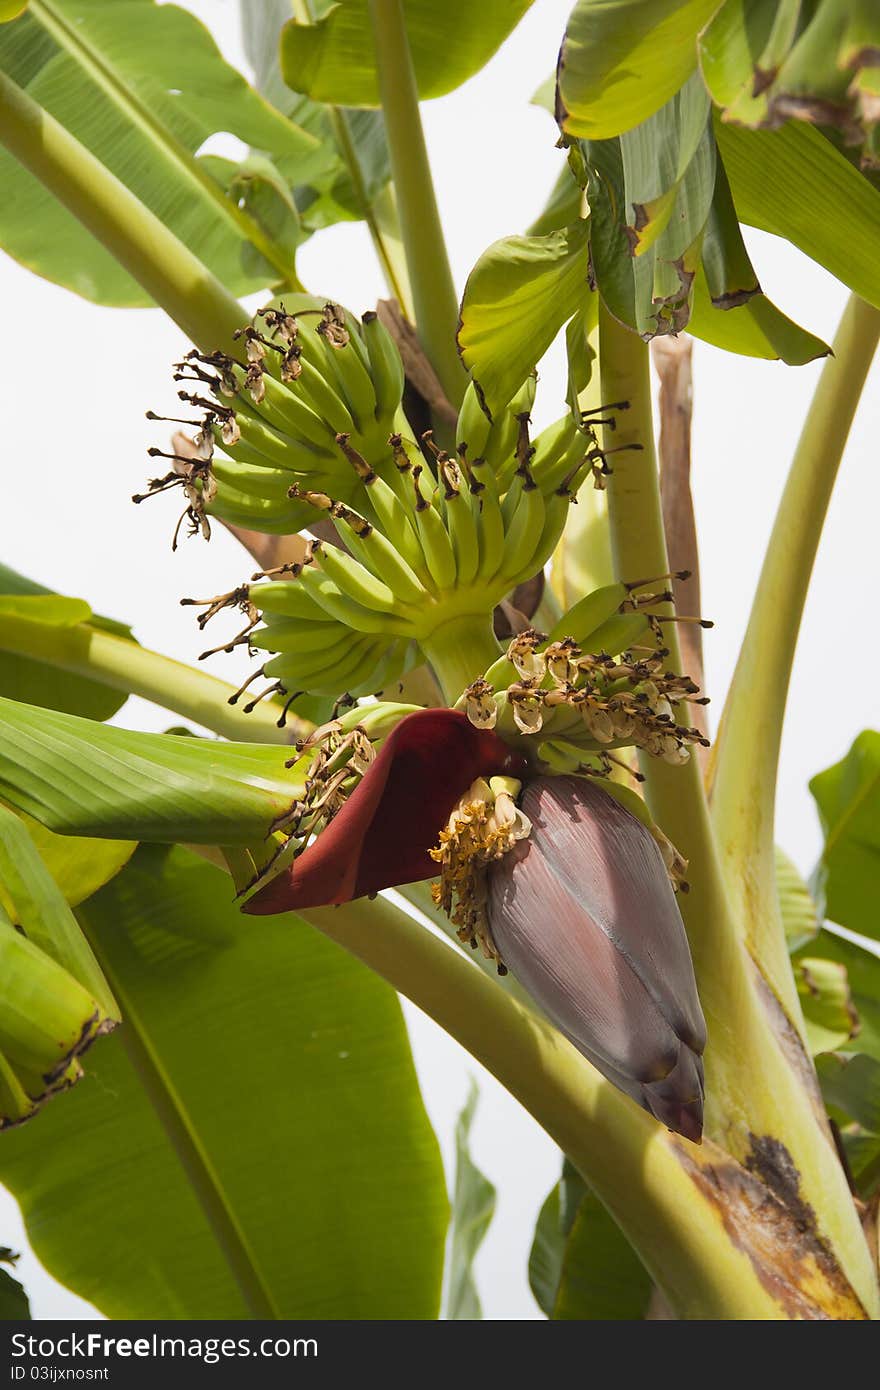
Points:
(75, 439)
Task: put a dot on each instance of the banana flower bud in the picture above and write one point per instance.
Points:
(584, 916)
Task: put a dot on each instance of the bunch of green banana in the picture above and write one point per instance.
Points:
(430, 543)
(54, 1000)
(596, 683)
(307, 373)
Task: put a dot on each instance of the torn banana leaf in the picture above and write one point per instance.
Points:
(650, 192)
(667, 249)
(766, 63)
(730, 309)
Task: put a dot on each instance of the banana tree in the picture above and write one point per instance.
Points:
(469, 690)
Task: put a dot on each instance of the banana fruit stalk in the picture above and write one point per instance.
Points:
(429, 540)
(54, 1000)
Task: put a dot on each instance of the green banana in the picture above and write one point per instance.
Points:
(340, 604)
(461, 522)
(524, 512)
(287, 635)
(474, 426)
(379, 558)
(332, 677)
(391, 515)
(589, 613)
(283, 409)
(316, 390)
(344, 367)
(434, 538)
(491, 520)
(386, 368)
(279, 600)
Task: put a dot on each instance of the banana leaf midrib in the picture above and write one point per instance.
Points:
(76, 46)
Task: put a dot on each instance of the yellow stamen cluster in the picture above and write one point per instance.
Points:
(484, 825)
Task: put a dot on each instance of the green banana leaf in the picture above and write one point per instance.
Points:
(765, 62)
(800, 916)
(581, 1268)
(863, 980)
(473, 1206)
(78, 865)
(252, 1140)
(563, 206)
(830, 1014)
(650, 193)
(848, 800)
(517, 297)
(79, 777)
(851, 1087)
(794, 183)
(335, 193)
(621, 60)
(43, 914)
(34, 682)
(729, 308)
(143, 86)
(332, 59)
(14, 1305)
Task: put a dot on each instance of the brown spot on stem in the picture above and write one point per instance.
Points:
(765, 1215)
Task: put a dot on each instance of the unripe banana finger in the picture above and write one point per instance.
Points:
(352, 381)
(393, 520)
(339, 603)
(523, 530)
(589, 613)
(358, 582)
(380, 559)
(317, 392)
(326, 678)
(287, 412)
(555, 513)
(282, 599)
(462, 527)
(490, 521)
(386, 368)
(473, 426)
(433, 537)
(289, 635)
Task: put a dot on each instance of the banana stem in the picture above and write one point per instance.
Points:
(459, 651)
(152, 254)
(752, 1087)
(433, 291)
(657, 1186)
(124, 665)
(746, 754)
(395, 273)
